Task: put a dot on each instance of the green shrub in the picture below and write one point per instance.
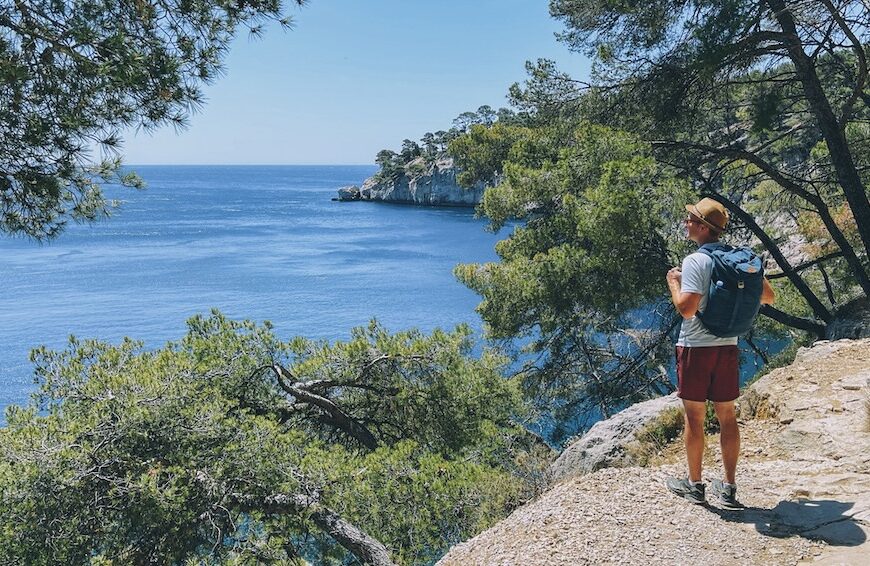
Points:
(655, 436)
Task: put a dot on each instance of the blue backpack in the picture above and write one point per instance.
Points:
(735, 290)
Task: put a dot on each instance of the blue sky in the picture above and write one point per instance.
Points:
(354, 77)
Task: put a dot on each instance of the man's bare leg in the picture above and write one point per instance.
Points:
(729, 438)
(694, 436)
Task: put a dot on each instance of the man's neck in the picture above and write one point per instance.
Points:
(701, 242)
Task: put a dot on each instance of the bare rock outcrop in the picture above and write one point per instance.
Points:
(604, 445)
(428, 184)
(349, 193)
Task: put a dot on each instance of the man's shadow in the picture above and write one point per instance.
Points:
(823, 519)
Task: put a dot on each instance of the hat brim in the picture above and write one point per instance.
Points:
(693, 210)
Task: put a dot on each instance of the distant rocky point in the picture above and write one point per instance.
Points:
(433, 184)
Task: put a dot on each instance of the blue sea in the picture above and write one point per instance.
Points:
(256, 242)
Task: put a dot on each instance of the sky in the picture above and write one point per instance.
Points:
(354, 77)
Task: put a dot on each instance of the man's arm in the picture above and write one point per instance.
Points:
(686, 303)
(767, 294)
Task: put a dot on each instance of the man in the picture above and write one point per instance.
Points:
(707, 365)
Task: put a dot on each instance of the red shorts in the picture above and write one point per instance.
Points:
(708, 372)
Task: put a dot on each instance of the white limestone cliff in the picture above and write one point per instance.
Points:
(434, 185)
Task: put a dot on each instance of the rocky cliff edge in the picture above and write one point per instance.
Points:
(434, 185)
(804, 476)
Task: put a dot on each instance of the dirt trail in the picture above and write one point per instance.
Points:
(804, 476)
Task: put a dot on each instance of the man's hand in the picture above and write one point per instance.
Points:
(674, 276)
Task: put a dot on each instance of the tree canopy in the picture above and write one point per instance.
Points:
(231, 445)
(760, 105)
(75, 75)
(414, 159)
(599, 217)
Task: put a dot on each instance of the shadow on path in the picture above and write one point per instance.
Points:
(824, 519)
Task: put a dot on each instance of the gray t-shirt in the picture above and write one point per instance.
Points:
(697, 270)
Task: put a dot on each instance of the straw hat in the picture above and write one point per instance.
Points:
(711, 213)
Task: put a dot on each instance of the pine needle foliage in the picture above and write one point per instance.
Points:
(74, 76)
(233, 446)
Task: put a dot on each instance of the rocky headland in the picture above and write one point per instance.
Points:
(804, 476)
(422, 183)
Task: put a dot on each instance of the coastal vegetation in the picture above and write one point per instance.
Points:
(754, 104)
(73, 76)
(233, 446)
(414, 159)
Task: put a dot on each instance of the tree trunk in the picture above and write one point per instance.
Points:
(336, 415)
(833, 133)
(793, 321)
(809, 296)
(776, 176)
(367, 549)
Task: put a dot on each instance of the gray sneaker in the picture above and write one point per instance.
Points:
(726, 495)
(686, 489)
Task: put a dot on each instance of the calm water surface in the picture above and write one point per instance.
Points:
(264, 243)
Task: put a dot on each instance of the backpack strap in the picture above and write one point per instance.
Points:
(711, 247)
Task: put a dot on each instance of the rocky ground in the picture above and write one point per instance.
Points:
(804, 476)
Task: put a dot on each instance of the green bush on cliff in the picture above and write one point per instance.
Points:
(231, 445)
(414, 160)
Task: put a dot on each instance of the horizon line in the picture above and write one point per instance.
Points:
(250, 164)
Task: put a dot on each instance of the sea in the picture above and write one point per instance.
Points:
(256, 242)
